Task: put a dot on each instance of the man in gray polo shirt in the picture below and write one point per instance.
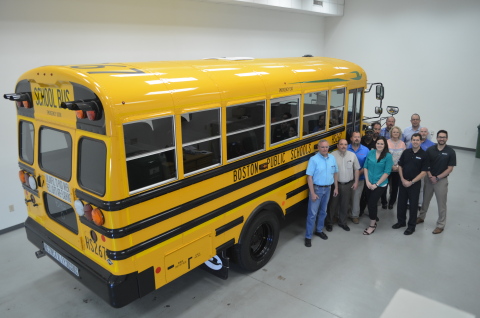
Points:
(348, 174)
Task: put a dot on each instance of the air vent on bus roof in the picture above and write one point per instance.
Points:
(233, 58)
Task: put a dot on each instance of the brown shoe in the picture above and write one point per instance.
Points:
(420, 220)
(437, 230)
(355, 220)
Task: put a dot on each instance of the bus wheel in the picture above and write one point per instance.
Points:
(258, 242)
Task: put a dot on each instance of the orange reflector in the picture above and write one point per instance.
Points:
(21, 176)
(158, 270)
(97, 217)
(26, 104)
(87, 209)
(80, 114)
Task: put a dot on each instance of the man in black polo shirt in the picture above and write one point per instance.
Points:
(412, 167)
(441, 160)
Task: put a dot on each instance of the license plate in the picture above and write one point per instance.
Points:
(62, 260)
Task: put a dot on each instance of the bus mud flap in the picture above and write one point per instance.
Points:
(217, 265)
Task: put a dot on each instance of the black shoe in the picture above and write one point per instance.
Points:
(397, 226)
(328, 228)
(345, 227)
(409, 231)
(322, 235)
(308, 242)
(384, 206)
(390, 206)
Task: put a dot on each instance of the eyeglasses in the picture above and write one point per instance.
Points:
(441, 137)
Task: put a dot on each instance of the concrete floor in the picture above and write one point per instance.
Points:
(349, 275)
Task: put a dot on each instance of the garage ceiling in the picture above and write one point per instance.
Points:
(316, 7)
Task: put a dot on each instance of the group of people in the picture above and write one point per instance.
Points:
(358, 174)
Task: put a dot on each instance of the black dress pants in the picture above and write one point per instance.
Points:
(405, 195)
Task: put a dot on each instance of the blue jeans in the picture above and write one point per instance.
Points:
(317, 210)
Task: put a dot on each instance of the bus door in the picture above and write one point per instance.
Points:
(354, 111)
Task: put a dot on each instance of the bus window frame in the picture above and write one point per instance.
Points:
(145, 154)
(325, 112)
(218, 137)
(280, 99)
(344, 88)
(20, 141)
(264, 126)
(40, 153)
(79, 153)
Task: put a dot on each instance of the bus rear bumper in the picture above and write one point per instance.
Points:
(118, 291)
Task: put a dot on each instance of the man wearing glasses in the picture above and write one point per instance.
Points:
(441, 160)
(409, 131)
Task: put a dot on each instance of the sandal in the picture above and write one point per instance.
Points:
(373, 227)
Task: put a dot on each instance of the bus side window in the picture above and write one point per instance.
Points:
(150, 153)
(284, 113)
(245, 129)
(315, 112)
(201, 140)
(337, 104)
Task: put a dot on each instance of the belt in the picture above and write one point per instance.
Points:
(322, 186)
(345, 182)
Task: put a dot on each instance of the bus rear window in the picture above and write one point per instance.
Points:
(61, 212)
(26, 139)
(56, 153)
(92, 159)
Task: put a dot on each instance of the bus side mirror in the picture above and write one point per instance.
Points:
(392, 110)
(380, 92)
(378, 110)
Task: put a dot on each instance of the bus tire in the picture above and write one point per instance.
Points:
(258, 242)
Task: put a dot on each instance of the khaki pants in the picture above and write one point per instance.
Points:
(440, 189)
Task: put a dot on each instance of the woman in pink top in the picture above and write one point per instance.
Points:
(396, 146)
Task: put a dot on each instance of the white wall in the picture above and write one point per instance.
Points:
(42, 32)
(425, 52)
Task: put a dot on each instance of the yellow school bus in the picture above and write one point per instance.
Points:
(136, 173)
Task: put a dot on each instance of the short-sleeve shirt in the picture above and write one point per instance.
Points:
(322, 169)
(361, 154)
(413, 163)
(439, 161)
(347, 164)
(377, 169)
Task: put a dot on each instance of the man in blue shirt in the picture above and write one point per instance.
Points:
(361, 152)
(322, 172)
(385, 131)
(409, 131)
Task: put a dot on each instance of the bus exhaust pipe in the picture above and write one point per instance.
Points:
(39, 254)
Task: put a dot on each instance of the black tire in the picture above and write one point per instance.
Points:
(258, 241)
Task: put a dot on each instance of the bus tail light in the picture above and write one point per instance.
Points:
(32, 183)
(87, 209)
(21, 176)
(80, 114)
(97, 217)
(79, 208)
(89, 109)
(27, 179)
